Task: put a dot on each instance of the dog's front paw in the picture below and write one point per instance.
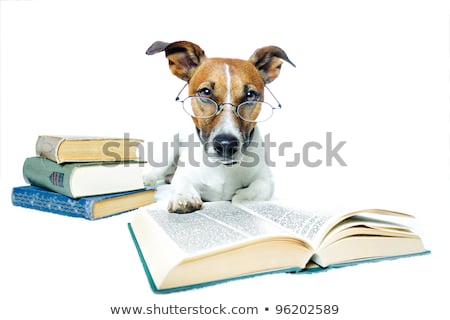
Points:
(244, 194)
(150, 179)
(185, 203)
(157, 176)
(259, 190)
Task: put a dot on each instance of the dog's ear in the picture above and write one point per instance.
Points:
(184, 57)
(267, 61)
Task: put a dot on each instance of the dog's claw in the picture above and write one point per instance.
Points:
(184, 204)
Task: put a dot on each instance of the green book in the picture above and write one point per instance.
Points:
(225, 241)
(84, 179)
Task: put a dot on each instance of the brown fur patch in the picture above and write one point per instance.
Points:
(211, 74)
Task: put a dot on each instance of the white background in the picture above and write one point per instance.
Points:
(374, 74)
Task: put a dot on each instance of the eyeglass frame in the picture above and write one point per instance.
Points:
(220, 105)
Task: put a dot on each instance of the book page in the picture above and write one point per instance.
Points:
(216, 225)
(308, 224)
(314, 225)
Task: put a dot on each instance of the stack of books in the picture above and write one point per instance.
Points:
(87, 177)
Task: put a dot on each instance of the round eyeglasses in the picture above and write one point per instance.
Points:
(204, 108)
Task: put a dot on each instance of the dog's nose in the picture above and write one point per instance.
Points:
(226, 145)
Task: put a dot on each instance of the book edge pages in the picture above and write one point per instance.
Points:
(53, 143)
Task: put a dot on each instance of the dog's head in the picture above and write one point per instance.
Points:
(228, 94)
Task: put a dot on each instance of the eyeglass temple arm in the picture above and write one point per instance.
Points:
(279, 104)
(179, 93)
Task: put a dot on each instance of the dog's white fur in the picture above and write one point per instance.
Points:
(204, 174)
(212, 180)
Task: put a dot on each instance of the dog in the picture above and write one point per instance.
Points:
(222, 93)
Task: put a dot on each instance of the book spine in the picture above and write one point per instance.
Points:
(40, 199)
(48, 146)
(41, 172)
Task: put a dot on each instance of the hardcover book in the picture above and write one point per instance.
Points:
(91, 208)
(87, 149)
(225, 241)
(82, 179)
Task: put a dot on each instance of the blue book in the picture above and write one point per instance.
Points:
(225, 241)
(93, 207)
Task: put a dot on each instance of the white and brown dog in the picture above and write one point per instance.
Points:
(226, 102)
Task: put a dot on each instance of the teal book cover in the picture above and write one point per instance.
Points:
(225, 241)
(157, 290)
(310, 268)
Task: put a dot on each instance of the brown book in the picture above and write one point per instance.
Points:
(87, 149)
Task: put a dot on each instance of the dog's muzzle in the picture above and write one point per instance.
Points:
(226, 145)
(226, 149)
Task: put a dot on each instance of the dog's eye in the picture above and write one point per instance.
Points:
(204, 92)
(252, 96)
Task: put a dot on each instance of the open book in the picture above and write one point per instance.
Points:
(225, 241)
